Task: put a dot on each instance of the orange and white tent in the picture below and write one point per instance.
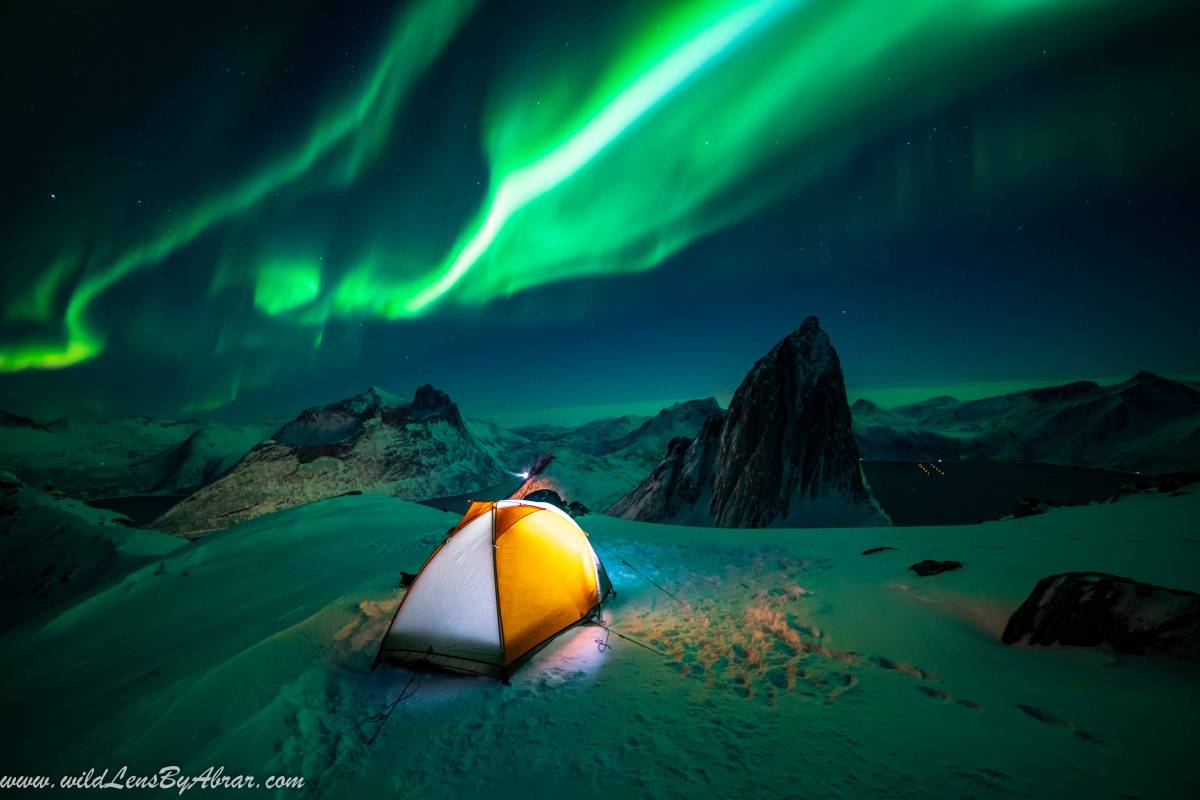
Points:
(511, 576)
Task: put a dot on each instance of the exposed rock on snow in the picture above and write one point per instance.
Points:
(782, 455)
(1148, 423)
(8, 420)
(873, 550)
(1028, 506)
(374, 442)
(930, 567)
(1092, 608)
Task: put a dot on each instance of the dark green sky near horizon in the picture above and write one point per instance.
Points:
(554, 210)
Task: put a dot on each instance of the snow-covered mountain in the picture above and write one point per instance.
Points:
(680, 419)
(628, 433)
(1147, 423)
(680, 487)
(782, 455)
(598, 462)
(93, 458)
(372, 442)
(598, 437)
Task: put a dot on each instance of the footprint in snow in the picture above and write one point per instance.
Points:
(906, 669)
(1048, 718)
(938, 694)
(1041, 715)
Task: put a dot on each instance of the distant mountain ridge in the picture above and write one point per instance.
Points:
(1148, 423)
(374, 441)
(93, 458)
(600, 461)
(8, 420)
(782, 455)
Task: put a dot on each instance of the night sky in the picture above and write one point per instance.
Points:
(562, 209)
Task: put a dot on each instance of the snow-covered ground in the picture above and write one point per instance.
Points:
(794, 667)
(54, 549)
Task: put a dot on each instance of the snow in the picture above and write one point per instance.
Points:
(794, 667)
(96, 458)
(54, 548)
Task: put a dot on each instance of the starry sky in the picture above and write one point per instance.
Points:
(560, 210)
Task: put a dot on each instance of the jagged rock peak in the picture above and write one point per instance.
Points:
(787, 442)
(429, 401)
(783, 454)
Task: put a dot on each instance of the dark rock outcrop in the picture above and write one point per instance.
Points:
(787, 443)
(782, 455)
(930, 567)
(873, 550)
(546, 496)
(430, 402)
(1028, 507)
(8, 420)
(1091, 608)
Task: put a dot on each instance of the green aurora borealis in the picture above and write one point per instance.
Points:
(478, 163)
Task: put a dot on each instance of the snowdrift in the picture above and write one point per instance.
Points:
(794, 666)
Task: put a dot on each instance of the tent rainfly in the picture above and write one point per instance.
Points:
(511, 576)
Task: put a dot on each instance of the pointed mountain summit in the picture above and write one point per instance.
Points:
(783, 455)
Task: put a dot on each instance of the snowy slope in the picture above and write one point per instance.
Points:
(794, 667)
(54, 548)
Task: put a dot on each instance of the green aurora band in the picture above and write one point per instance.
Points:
(680, 136)
(702, 116)
(355, 130)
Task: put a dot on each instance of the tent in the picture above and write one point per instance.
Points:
(511, 576)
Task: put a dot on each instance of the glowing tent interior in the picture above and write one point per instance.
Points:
(511, 576)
